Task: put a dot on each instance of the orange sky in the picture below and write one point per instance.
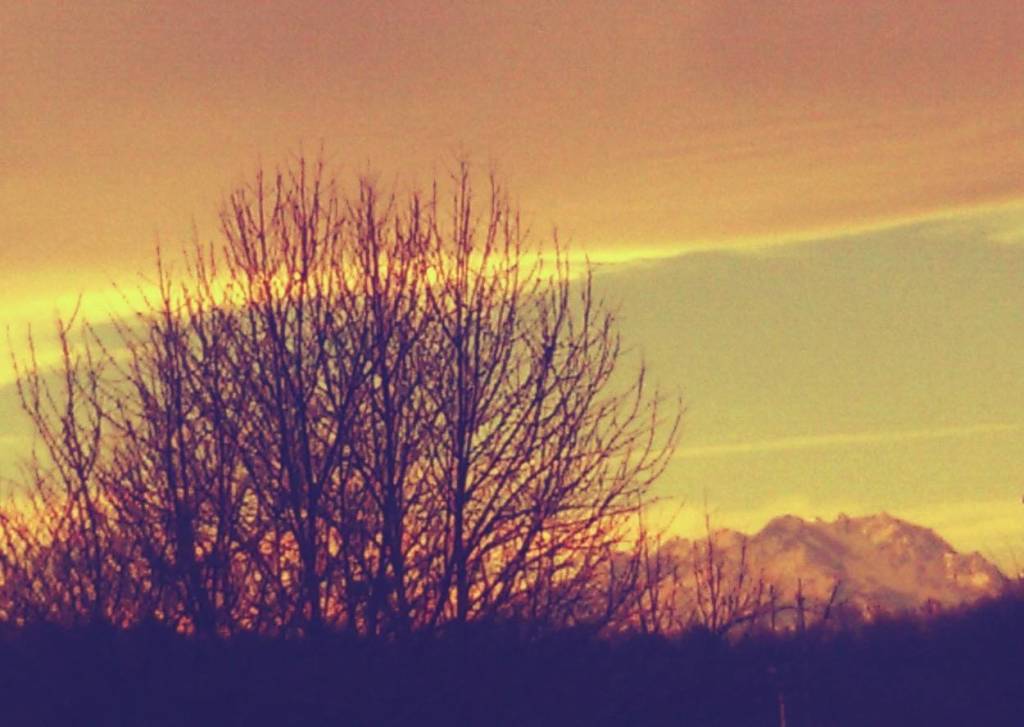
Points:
(656, 125)
(639, 128)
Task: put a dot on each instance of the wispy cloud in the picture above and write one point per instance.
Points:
(821, 441)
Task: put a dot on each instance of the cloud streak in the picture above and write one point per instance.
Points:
(826, 441)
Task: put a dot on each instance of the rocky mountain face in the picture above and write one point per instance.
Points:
(863, 565)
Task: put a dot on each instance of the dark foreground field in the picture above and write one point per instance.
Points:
(963, 669)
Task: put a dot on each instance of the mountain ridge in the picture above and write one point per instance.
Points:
(870, 564)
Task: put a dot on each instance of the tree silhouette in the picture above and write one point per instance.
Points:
(358, 412)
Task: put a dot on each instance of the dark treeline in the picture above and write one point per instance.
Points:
(955, 669)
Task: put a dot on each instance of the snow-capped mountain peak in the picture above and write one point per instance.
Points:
(877, 562)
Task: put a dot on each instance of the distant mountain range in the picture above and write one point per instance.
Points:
(876, 563)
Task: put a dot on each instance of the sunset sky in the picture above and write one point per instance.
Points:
(810, 213)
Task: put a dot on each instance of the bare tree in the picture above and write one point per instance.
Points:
(62, 557)
(353, 412)
(538, 462)
(728, 593)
